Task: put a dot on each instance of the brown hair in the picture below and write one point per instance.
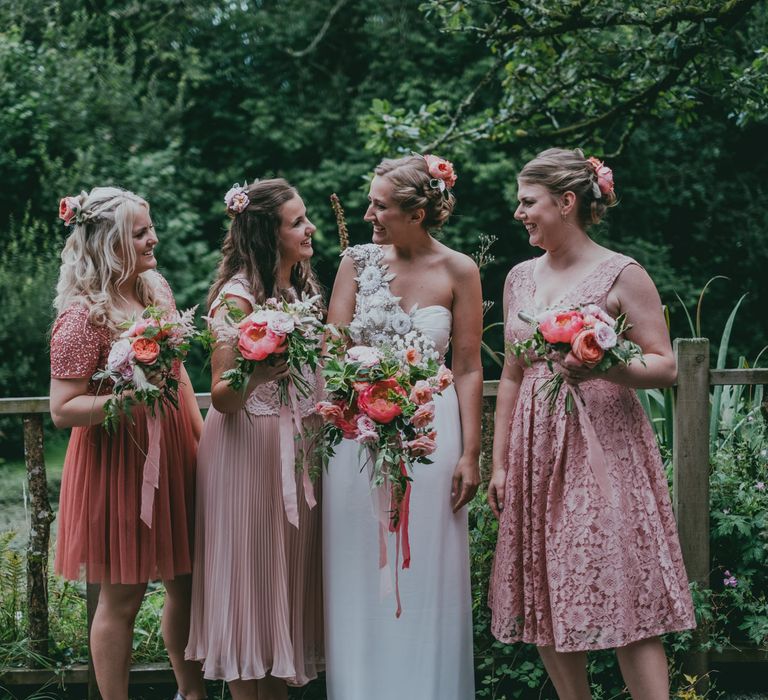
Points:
(250, 247)
(561, 170)
(412, 190)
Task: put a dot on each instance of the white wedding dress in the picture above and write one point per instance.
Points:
(426, 654)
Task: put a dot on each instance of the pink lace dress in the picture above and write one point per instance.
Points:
(257, 595)
(576, 567)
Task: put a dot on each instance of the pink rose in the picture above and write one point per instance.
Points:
(120, 356)
(604, 175)
(561, 326)
(605, 335)
(365, 356)
(329, 412)
(424, 415)
(422, 446)
(598, 313)
(421, 392)
(145, 350)
(347, 422)
(68, 208)
(586, 349)
(366, 430)
(375, 400)
(441, 170)
(257, 341)
(412, 356)
(444, 378)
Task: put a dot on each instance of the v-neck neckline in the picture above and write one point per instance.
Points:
(567, 291)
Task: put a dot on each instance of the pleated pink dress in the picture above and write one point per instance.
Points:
(100, 530)
(257, 598)
(579, 567)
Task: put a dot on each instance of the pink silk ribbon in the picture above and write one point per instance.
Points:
(151, 472)
(595, 454)
(288, 418)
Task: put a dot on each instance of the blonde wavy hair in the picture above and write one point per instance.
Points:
(99, 256)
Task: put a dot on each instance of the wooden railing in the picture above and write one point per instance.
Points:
(690, 499)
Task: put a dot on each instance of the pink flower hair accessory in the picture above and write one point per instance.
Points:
(442, 173)
(69, 209)
(236, 198)
(604, 174)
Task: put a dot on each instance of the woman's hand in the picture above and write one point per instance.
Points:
(574, 372)
(496, 490)
(270, 370)
(466, 479)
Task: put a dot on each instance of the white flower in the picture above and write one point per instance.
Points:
(598, 313)
(281, 323)
(401, 323)
(605, 335)
(120, 355)
(376, 317)
(365, 355)
(369, 280)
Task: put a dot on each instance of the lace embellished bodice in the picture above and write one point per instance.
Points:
(378, 315)
(264, 400)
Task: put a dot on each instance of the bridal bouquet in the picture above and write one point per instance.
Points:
(273, 328)
(589, 333)
(144, 362)
(381, 397)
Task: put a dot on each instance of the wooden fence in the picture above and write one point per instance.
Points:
(690, 499)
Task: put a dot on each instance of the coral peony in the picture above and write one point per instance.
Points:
(257, 341)
(375, 400)
(561, 326)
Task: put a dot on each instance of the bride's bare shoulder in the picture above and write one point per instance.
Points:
(459, 264)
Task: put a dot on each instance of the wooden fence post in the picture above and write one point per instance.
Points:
(40, 519)
(690, 481)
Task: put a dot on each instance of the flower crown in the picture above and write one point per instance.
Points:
(441, 172)
(604, 175)
(70, 209)
(236, 198)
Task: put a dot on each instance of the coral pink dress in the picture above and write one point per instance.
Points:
(99, 524)
(257, 593)
(578, 567)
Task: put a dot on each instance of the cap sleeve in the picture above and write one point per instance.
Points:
(236, 287)
(76, 345)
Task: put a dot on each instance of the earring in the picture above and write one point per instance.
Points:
(563, 215)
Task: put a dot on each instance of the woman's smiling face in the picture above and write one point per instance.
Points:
(390, 222)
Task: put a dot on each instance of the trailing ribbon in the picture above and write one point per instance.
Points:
(151, 472)
(595, 454)
(290, 417)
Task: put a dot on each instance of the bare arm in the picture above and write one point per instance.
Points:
(467, 370)
(341, 308)
(223, 397)
(72, 406)
(509, 387)
(635, 295)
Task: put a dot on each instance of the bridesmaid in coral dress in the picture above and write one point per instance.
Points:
(108, 276)
(257, 596)
(578, 568)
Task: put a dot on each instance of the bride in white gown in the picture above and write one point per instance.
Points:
(406, 280)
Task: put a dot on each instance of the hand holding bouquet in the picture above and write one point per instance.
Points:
(592, 336)
(144, 362)
(274, 328)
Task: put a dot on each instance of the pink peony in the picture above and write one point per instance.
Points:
(441, 170)
(561, 326)
(257, 341)
(68, 208)
(421, 392)
(375, 400)
(365, 356)
(424, 415)
(120, 356)
(422, 446)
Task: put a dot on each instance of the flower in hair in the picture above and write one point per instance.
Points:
(604, 176)
(69, 208)
(441, 172)
(236, 198)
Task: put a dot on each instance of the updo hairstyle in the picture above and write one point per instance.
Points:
(410, 179)
(561, 170)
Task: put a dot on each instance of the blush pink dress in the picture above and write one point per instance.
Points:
(99, 525)
(579, 566)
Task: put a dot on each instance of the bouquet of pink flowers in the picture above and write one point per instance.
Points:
(382, 399)
(273, 328)
(589, 333)
(144, 362)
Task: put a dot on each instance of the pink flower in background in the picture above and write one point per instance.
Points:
(424, 415)
(730, 581)
(444, 378)
(760, 486)
(561, 326)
